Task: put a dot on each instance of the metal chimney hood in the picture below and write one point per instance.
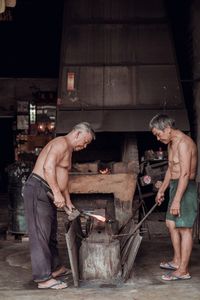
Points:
(118, 67)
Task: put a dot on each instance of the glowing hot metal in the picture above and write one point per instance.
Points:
(98, 217)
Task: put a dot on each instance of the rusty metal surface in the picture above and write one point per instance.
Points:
(100, 259)
(115, 9)
(118, 44)
(130, 256)
(72, 247)
(122, 57)
(150, 86)
(117, 120)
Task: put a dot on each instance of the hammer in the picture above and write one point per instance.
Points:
(75, 212)
(71, 214)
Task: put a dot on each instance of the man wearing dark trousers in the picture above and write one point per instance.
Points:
(50, 174)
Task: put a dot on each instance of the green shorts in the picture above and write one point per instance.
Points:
(188, 204)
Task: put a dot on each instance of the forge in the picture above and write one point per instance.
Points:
(124, 76)
(120, 186)
(94, 250)
(101, 182)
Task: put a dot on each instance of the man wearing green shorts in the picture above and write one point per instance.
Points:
(188, 204)
(182, 207)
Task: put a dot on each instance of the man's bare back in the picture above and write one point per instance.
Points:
(56, 155)
(54, 162)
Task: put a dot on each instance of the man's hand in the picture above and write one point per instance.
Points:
(175, 209)
(59, 201)
(69, 204)
(159, 198)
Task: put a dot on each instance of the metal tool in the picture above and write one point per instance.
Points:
(139, 224)
(74, 213)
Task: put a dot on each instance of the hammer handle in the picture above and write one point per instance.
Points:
(50, 195)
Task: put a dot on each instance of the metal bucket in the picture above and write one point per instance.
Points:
(18, 173)
(17, 222)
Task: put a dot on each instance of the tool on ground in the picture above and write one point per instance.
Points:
(74, 213)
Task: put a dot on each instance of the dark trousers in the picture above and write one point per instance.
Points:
(41, 217)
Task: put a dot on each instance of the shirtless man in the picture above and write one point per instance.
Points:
(50, 174)
(182, 208)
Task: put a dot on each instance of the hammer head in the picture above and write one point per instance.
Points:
(73, 214)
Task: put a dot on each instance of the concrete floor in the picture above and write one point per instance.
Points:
(145, 281)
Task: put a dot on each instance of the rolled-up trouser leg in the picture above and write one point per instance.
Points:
(40, 213)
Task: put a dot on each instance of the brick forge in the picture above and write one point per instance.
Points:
(121, 185)
(113, 191)
(107, 186)
(99, 257)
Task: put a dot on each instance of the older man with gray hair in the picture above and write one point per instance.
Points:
(182, 207)
(50, 174)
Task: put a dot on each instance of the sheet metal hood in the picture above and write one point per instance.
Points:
(118, 67)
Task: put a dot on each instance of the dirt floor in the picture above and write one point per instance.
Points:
(145, 282)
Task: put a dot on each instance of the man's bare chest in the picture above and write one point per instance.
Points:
(65, 162)
(173, 156)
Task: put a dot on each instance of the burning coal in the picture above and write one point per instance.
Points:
(105, 171)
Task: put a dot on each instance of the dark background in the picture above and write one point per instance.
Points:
(30, 44)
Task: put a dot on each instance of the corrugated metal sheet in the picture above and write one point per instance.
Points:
(117, 120)
(154, 86)
(122, 55)
(89, 44)
(80, 10)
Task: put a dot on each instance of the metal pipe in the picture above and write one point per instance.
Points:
(139, 224)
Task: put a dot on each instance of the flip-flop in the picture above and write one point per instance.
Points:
(167, 266)
(58, 285)
(171, 277)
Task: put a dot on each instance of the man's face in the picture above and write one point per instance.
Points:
(82, 140)
(162, 135)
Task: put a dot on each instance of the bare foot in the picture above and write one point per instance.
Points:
(52, 284)
(59, 272)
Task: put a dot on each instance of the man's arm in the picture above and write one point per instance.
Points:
(162, 189)
(67, 195)
(184, 154)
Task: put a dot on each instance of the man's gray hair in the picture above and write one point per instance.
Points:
(85, 126)
(161, 121)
